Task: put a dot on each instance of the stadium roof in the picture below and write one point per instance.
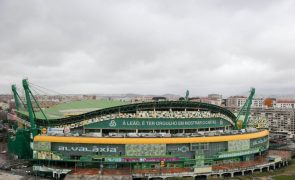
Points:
(127, 108)
(75, 108)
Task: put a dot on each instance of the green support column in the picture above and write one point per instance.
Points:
(13, 87)
(245, 110)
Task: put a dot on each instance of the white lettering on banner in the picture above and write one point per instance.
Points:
(159, 114)
(260, 141)
(183, 149)
(113, 123)
(165, 123)
(241, 153)
(50, 129)
(87, 149)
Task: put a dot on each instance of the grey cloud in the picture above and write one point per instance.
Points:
(150, 47)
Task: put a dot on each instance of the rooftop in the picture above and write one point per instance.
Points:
(76, 107)
(286, 101)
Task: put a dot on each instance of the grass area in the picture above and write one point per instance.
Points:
(86, 104)
(288, 170)
(59, 110)
(284, 177)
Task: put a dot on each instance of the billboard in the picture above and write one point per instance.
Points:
(238, 145)
(80, 149)
(238, 153)
(182, 150)
(145, 149)
(43, 155)
(42, 146)
(259, 142)
(161, 123)
(126, 159)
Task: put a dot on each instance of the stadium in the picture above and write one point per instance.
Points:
(149, 139)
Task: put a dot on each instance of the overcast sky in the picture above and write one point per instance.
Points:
(149, 47)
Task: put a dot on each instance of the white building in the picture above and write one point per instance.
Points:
(215, 99)
(280, 120)
(257, 102)
(288, 104)
(239, 101)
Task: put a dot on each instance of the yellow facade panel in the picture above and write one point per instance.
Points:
(92, 140)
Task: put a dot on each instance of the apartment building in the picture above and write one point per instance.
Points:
(278, 120)
(289, 103)
(239, 101)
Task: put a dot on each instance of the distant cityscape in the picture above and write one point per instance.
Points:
(277, 114)
(46, 101)
(271, 122)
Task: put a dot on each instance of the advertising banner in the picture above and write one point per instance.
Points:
(88, 148)
(42, 146)
(145, 149)
(159, 123)
(238, 145)
(259, 142)
(238, 153)
(182, 150)
(126, 159)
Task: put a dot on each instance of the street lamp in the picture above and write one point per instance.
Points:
(101, 169)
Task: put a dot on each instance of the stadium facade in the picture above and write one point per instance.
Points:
(153, 135)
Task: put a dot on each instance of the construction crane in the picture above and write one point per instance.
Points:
(245, 110)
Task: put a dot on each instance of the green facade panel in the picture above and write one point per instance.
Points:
(159, 123)
(20, 144)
